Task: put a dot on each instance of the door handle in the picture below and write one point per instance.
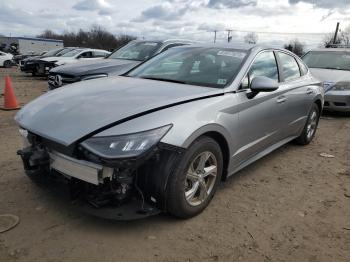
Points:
(309, 91)
(281, 99)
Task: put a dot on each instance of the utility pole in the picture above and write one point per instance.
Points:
(229, 37)
(215, 36)
(336, 34)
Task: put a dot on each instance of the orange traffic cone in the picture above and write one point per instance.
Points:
(10, 101)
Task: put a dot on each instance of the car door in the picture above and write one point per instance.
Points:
(260, 116)
(296, 93)
(2, 58)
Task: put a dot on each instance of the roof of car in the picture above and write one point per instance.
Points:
(246, 47)
(166, 41)
(90, 49)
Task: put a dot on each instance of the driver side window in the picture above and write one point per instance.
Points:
(263, 65)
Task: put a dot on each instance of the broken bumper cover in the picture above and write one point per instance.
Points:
(103, 191)
(63, 189)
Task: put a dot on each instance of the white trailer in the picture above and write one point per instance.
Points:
(29, 45)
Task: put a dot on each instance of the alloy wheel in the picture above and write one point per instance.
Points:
(311, 125)
(200, 178)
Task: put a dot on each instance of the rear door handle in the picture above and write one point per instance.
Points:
(281, 99)
(309, 91)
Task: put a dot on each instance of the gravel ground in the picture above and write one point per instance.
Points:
(292, 205)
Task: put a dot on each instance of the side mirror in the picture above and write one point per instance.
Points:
(261, 84)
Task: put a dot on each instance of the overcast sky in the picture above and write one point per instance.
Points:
(178, 18)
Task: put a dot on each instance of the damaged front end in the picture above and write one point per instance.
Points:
(127, 188)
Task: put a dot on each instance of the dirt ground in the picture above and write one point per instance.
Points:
(292, 205)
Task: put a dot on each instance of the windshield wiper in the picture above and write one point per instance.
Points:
(165, 80)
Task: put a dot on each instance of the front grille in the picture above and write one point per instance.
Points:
(35, 140)
(339, 104)
(58, 80)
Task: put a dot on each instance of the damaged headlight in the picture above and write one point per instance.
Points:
(124, 146)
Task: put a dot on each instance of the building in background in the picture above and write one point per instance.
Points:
(28, 45)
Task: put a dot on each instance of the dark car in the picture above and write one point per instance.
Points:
(33, 65)
(119, 62)
(27, 64)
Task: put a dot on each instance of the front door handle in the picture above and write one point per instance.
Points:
(309, 91)
(281, 99)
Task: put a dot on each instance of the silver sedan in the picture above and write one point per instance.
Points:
(161, 137)
(332, 66)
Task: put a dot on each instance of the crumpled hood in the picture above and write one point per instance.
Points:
(106, 66)
(68, 114)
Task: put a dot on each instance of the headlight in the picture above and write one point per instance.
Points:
(88, 77)
(123, 146)
(341, 86)
(59, 63)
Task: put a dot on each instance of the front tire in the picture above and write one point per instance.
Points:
(310, 127)
(193, 184)
(7, 64)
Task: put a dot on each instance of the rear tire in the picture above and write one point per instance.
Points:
(7, 64)
(194, 182)
(310, 127)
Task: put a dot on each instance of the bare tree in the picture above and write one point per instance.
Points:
(96, 37)
(295, 46)
(343, 38)
(251, 38)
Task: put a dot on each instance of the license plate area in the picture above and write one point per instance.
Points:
(80, 169)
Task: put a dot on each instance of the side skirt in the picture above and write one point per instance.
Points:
(261, 154)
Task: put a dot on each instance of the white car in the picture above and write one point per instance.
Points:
(77, 55)
(5, 59)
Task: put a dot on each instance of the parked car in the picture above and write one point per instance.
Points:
(31, 65)
(162, 137)
(36, 66)
(332, 65)
(18, 57)
(117, 63)
(76, 55)
(5, 59)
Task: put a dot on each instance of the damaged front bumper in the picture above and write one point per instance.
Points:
(131, 189)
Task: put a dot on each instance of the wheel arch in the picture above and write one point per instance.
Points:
(319, 103)
(221, 136)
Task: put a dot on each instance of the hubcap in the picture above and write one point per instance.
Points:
(311, 125)
(200, 178)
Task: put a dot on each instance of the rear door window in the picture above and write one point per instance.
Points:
(100, 54)
(290, 67)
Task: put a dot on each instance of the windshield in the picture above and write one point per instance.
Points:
(52, 52)
(138, 51)
(203, 66)
(72, 53)
(328, 60)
